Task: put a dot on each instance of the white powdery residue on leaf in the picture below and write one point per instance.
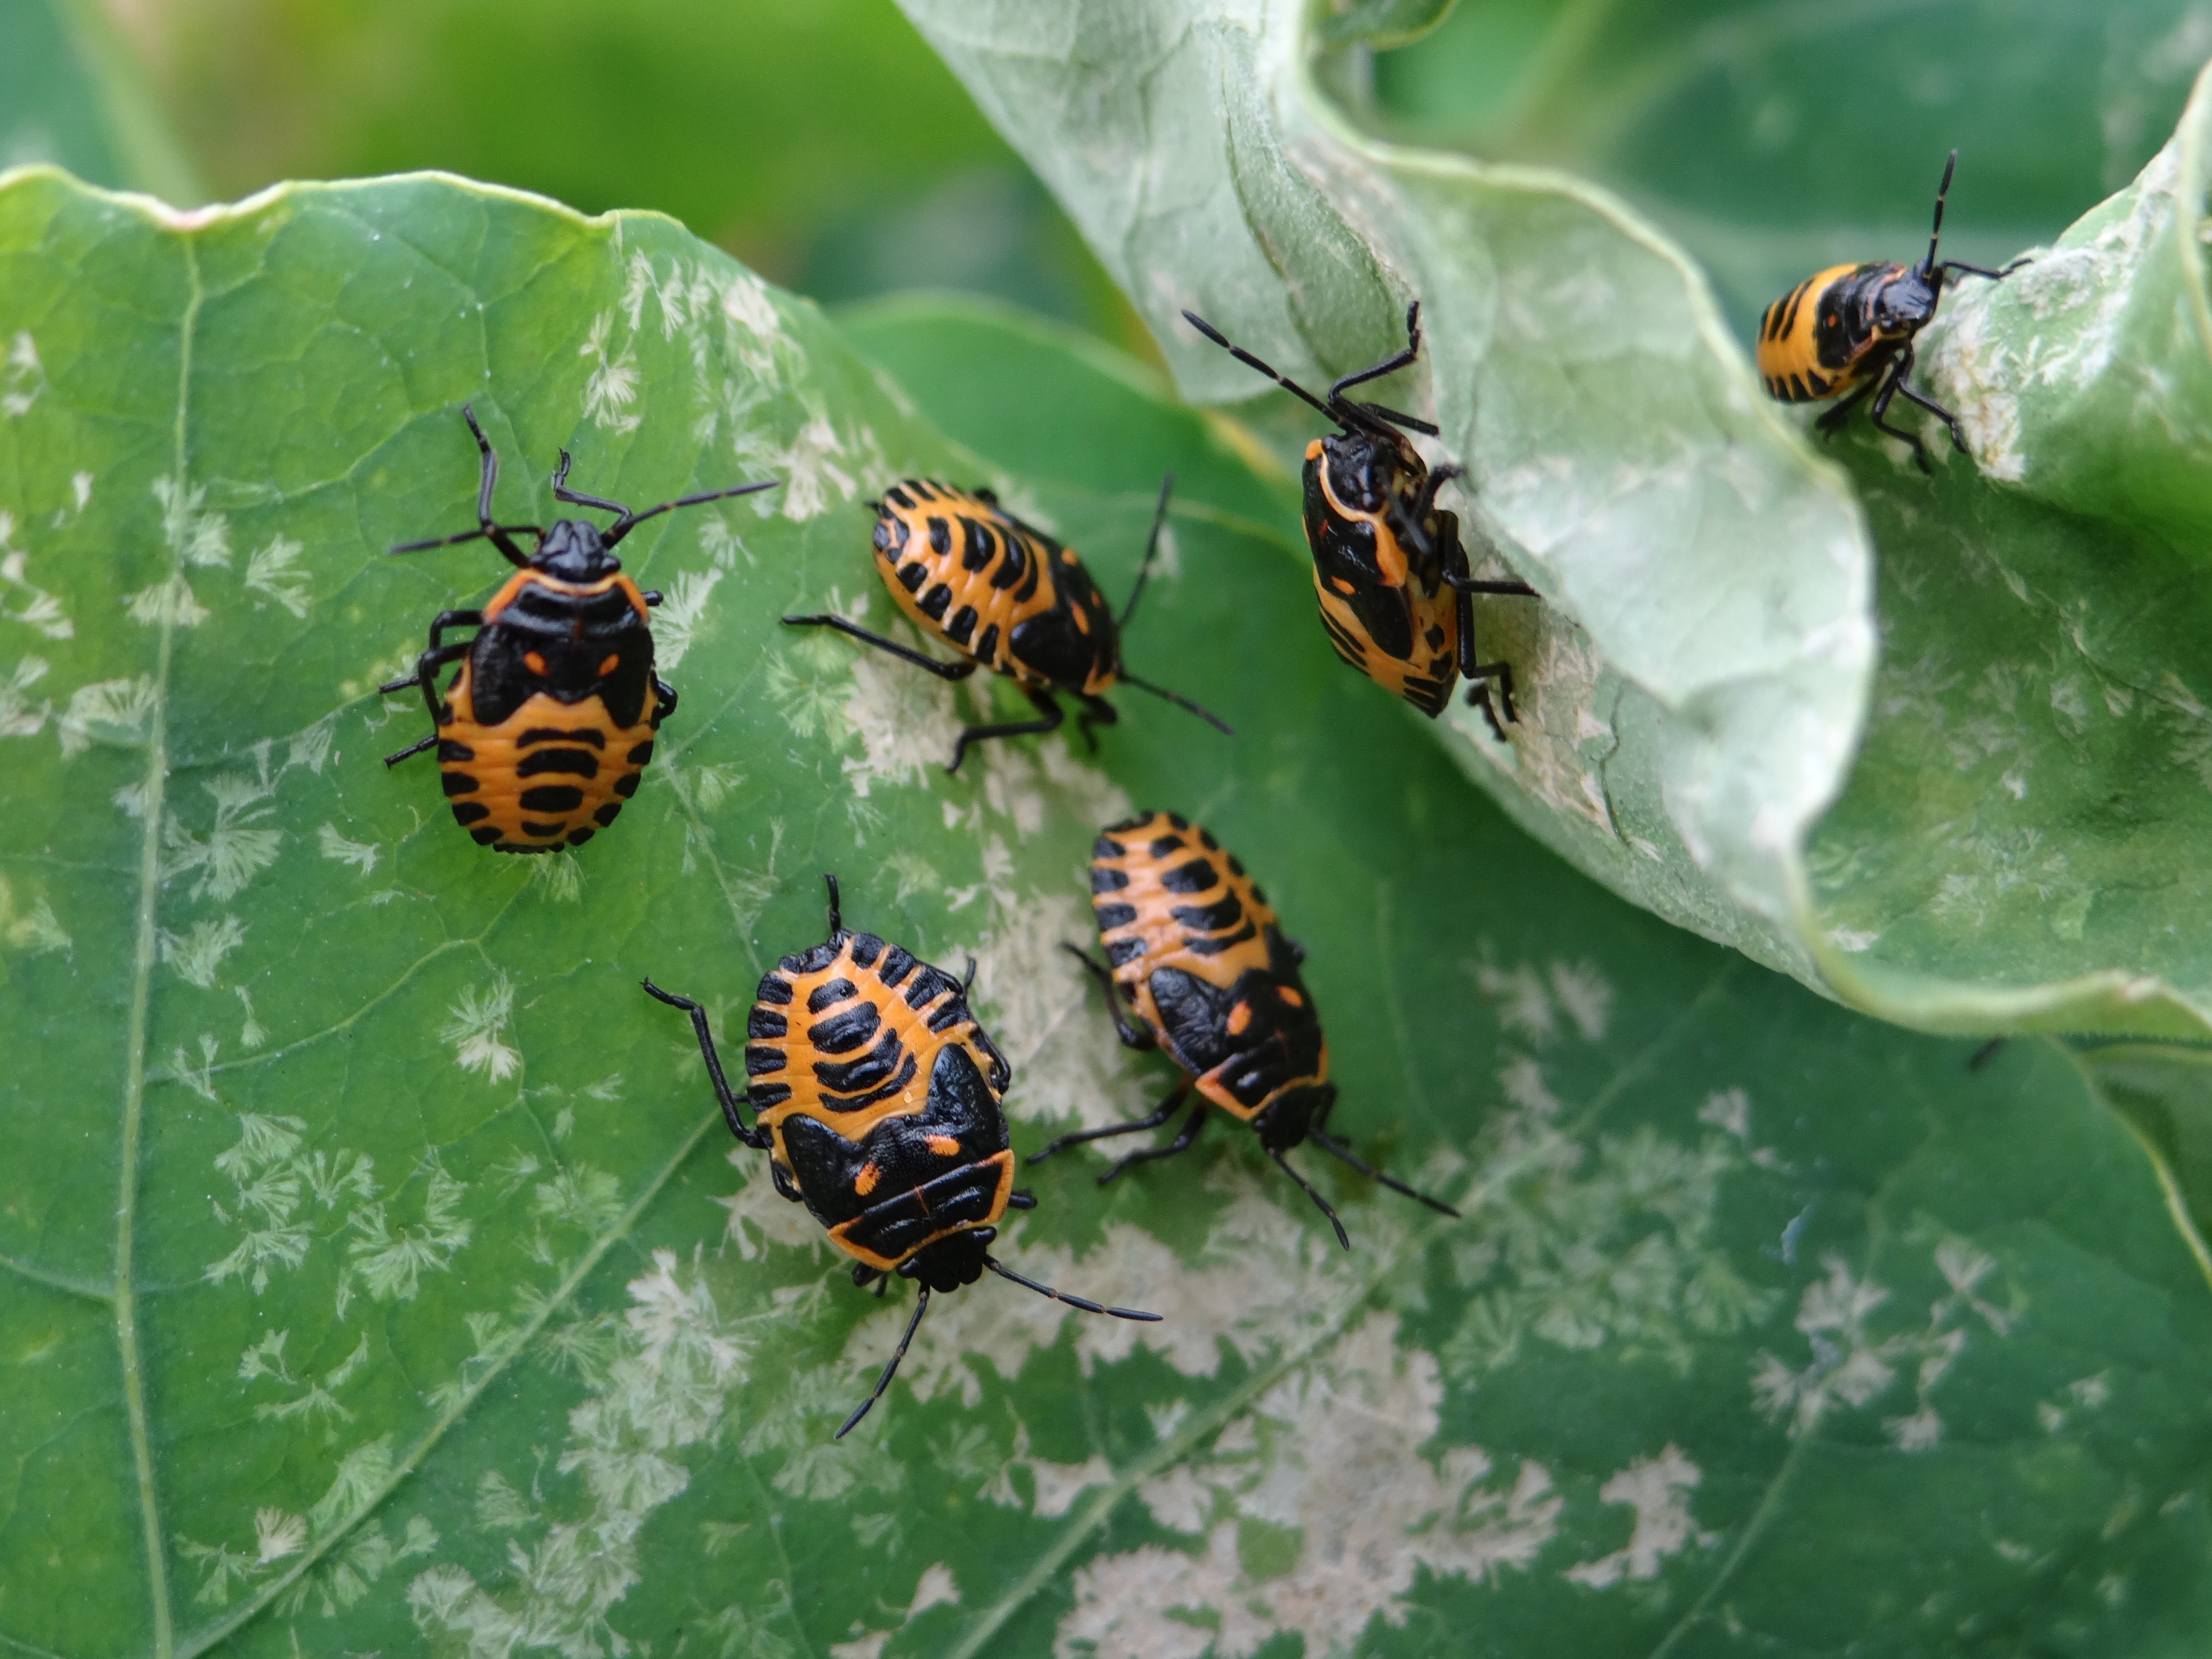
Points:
(904, 719)
(1850, 1367)
(1046, 1018)
(22, 377)
(264, 1169)
(317, 1396)
(35, 608)
(475, 1027)
(166, 603)
(34, 930)
(1585, 995)
(1059, 1484)
(1657, 1489)
(681, 613)
(311, 746)
(995, 1323)
(1178, 1500)
(1612, 1244)
(359, 853)
(107, 711)
(198, 955)
(610, 388)
(1728, 1109)
(270, 571)
(278, 1534)
(19, 717)
(760, 1216)
(236, 847)
(809, 468)
(1333, 1456)
(388, 1259)
(196, 537)
(1560, 739)
(559, 874)
(937, 1588)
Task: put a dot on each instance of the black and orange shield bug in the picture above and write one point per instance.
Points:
(1851, 329)
(876, 1095)
(549, 721)
(1390, 570)
(1008, 598)
(1192, 951)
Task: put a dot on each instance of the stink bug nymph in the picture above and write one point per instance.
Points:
(1007, 597)
(548, 723)
(876, 1095)
(1851, 329)
(1392, 577)
(1193, 950)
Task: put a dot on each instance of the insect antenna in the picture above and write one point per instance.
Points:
(1083, 1302)
(1180, 702)
(1151, 546)
(1337, 1149)
(1251, 361)
(920, 1307)
(1283, 1164)
(1928, 265)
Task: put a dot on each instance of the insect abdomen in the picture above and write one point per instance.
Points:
(550, 775)
(1810, 346)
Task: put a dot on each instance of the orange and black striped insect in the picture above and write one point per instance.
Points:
(1007, 597)
(876, 1095)
(1193, 948)
(548, 723)
(1850, 329)
(1396, 597)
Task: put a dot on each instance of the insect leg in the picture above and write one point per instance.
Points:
(1083, 1302)
(1135, 1126)
(1479, 674)
(665, 695)
(1133, 1036)
(1949, 420)
(1891, 384)
(425, 675)
(1987, 1052)
(1046, 706)
(920, 1307)
(1336, 1149)
(1180, 1143)
(1841, 412)
(487, 476)
(1283, 1164)
(412, 749)
(754, 1137)
(1096, 711)
(944, 670)
(836, 905)
(1179, 700)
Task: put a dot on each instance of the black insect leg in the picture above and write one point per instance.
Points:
(1306, 1187)
(836, 905)
(920, 1307)
(665, 694)
(1479, 674)
(1135, 1126)
(440, 649)
(864, 1276)
(1083, 1302)
(1180, 1143)
(1833, 419)
(426, 677)
(1987, 1052)
(944, 670)
(1046, 706)
(1344, 1154)
(754, 1137)
(1904, 390)
(1878, 411)
(1096, 711)
(412, 749)
(1133, 1036)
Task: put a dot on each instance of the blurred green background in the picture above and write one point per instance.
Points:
(822, 142)
(825, 145)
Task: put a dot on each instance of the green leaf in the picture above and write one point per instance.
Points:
(69, 95)
(1987, 829)
(380, 1277)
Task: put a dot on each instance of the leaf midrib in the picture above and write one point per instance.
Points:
(142, 981)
